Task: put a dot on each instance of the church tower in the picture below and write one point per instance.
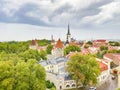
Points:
(68, 38)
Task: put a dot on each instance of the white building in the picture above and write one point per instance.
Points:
(57, 74)
(105, 70)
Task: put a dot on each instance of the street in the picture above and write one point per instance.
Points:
(110, 84)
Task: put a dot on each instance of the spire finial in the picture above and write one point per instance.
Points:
(68, 30)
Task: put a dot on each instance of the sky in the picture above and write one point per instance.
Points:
(39, 19)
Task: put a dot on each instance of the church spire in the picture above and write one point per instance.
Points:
(68, 38)
(68, 30)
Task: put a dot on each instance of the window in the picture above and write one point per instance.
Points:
(67, 86)
(73, 85)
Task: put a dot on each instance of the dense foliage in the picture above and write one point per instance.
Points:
(49, 49)
(19, 69)
(16, 74)
(103, 48)
(29, 54)
(43, 42)
(14, 47)
(71, 48)
(49, 84)
(84, 69)
(18, 47)
(113, 43)
(114, 51)
(89, 42)
(21, 49)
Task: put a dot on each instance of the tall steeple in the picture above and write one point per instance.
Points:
(68, 38)
(68, 30)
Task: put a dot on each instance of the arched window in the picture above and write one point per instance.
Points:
(67, 86)
(73, 85)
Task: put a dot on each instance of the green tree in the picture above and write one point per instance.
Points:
(50, 84)
(49, 48)
(13, 47)
(6, 75)
(30, 54)
(103, 48)
(43, 55)
(84, 69)
(43, 42)
(114, 51)
(71, 48)
(113, 43)
(21, 75)
(89, 42)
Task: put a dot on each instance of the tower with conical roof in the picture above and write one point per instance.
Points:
(58, 49)
(68, 38)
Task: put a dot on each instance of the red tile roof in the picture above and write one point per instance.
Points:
(59, 44)
(103, 66)
(114, 57)
(100, 40)
(109, 55)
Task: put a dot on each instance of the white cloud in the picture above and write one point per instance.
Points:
(60, 12)
(48, 9)
(107, 12)
(11, 6)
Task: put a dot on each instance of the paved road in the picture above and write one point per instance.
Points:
(109, 84)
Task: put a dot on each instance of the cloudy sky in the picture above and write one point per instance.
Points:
(88, 19)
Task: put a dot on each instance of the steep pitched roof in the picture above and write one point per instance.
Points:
(59, 44)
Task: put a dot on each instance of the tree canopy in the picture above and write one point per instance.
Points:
(21, 75)
(103, 48)
(114, 43)
(71, 48)
(84, 69)
(89, 42)
(49, 49)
